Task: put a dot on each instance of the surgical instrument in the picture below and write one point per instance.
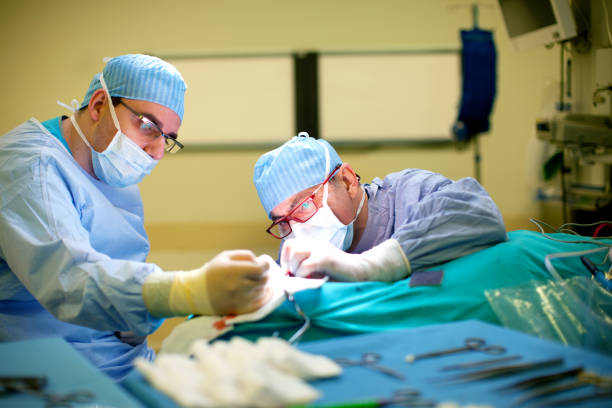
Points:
(405, 397)
(471, 344)
(480, 363)
(369, 360)
(571, 401)
(580, 379)
(34, 386)
(507, 369)
(13, 384)
(541, 379)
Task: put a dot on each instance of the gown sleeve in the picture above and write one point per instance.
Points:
(438, 219)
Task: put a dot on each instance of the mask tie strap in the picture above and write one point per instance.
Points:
(110, 103)
(73, 107)
(360, 204)
(325, 191)
(79, 131)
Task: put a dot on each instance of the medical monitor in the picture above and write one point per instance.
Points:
(532, 23)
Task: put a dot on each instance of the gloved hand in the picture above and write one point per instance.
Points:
(308, 257)
(233, 282)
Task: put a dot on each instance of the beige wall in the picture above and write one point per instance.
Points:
(199, 203)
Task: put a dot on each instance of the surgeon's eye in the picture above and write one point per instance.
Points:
(148, 127)
(305, 210)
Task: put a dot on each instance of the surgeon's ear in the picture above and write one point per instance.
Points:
(96, 103)
(349, 179)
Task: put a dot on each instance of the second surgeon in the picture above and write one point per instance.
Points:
(332, 224)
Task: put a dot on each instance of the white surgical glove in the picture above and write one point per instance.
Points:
(305, 257)
(233, 282)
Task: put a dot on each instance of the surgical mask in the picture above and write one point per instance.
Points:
(123, 162)
(325, 226)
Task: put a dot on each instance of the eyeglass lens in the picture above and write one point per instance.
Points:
(171, 145)
(301, 213)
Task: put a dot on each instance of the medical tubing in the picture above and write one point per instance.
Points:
(547, 261)
(567, 241)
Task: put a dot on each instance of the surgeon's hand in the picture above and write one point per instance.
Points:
(233, 282)
(308, 258)
(236, 282)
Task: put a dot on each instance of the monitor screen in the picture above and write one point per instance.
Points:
(532, 23)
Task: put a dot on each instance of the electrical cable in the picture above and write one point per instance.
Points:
(605, 8)
(589, 240)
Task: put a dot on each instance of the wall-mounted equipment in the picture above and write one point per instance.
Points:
(532, 23)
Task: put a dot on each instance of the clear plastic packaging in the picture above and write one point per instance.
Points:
(575, 311)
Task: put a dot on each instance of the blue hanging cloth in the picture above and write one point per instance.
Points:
(478, 64)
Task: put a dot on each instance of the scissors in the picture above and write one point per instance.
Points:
(471, 344)
(369, 360)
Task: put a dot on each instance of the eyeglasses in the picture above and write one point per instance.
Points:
(302, 212)
(151, 129)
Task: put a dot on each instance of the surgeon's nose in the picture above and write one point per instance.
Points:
(156, 148)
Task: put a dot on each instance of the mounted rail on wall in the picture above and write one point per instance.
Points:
(356, 99)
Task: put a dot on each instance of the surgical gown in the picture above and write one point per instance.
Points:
(434, 219)
(72, 252)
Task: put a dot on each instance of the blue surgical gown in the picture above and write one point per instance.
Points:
(72, 252)
(435, 219)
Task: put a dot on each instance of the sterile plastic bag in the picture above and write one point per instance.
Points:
(576, 311)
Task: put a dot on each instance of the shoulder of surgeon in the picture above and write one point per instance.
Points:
(27, 149)
(424, 180)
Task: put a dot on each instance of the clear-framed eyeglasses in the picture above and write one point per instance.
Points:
(152, 130)
(302, 212)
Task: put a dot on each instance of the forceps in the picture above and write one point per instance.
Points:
(471, 344)
(405, 397)
(545, 385)
(369, 360)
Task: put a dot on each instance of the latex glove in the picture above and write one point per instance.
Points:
(233, 282)
(308, 257)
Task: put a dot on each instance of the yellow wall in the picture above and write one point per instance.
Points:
(199, 203)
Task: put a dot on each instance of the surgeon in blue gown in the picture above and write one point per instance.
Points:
(383, 231)
(73, 247)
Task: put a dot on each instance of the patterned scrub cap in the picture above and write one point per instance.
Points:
(142, 77)
(298, 164)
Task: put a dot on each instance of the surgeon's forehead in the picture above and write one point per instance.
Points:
(287, 205)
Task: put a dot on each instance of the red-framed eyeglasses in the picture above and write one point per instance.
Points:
(302, 212)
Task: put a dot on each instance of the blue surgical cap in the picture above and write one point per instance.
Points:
(142, 77)
(298, 164)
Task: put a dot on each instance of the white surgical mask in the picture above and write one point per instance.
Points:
(325, 226)
(123, 162)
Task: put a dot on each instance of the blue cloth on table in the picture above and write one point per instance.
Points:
(478, 65)
(66, 371)
(357, 383)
